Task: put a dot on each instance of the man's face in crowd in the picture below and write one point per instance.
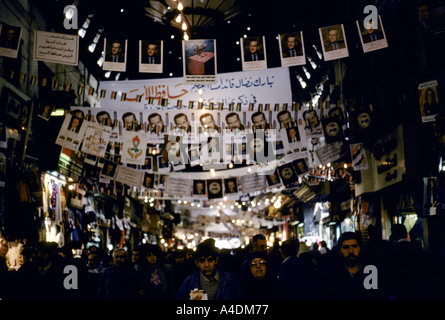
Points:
(350, 252)
(119, 258)
(260, 245)
(207, 265)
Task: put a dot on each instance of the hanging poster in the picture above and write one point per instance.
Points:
(177, 186)
(151, 56)
(331, 152)
(253, 53)
(56, 47)
(333, 42)
(358, 156)
(148, 181)
(134, 147)
(72, 132)
(273, 179)
(199, 188)
(312, 124)
(109, 170)
(301, 167)
(231, 186)
(332, 129)
(292, 49)
(428, 101)
(71, 163)
(253, 182)
(287, 174)
(267, 85)
(128, 176)
(199, 61)
(45, 110)
(96, 139)
(115, 55)
(214, 189)
(373, 36)
(9, 40)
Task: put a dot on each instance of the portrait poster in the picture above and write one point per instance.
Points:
(45, 110)
(312, 123)
(177, 187)
(56, 47)
(148, 180)
(294, 139)
(72, 132)
(253, 182)
(163, 164)
(214, 189)
(199, 188)
(428, 100)
(287, 174)
(108, 172)
(194, 156)
(331, 152)
(9, 40)
(273, 179)
(96, 139)
(301, 167)
(128, 176)
(333, 42)
(332, 129)
(115, 55)
(231, 186)
(372, 38)
(134, 147)
(292, 49)
(358, 156)
(199, 61)
(71, 163)
(253, 53)
(151, 53)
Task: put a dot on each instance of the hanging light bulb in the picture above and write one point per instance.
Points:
(178, 18)
(180, 6)
(184, 26)
(186, 36)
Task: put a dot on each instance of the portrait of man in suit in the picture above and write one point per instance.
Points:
(9, 37)
(255, 51)
(115, 51)
(291, 45)
(199, 187)
(335, 37)
(292, 135)
(370, 34)
(74, 125)
(150, 54)
(284, 118)
(156, 123)
(233, 121)
(230, 185)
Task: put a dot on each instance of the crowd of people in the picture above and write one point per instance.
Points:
(394, 269)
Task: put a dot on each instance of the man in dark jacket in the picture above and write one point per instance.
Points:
(209, 283)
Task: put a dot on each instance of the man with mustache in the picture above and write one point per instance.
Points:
(343, 277)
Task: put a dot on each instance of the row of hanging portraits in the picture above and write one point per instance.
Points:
(199, 56)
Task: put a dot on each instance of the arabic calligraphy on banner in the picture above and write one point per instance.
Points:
(56, 47)
(244, 88)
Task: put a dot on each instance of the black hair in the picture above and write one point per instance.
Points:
(349, 236)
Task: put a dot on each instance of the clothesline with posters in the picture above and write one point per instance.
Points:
(139, 156)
